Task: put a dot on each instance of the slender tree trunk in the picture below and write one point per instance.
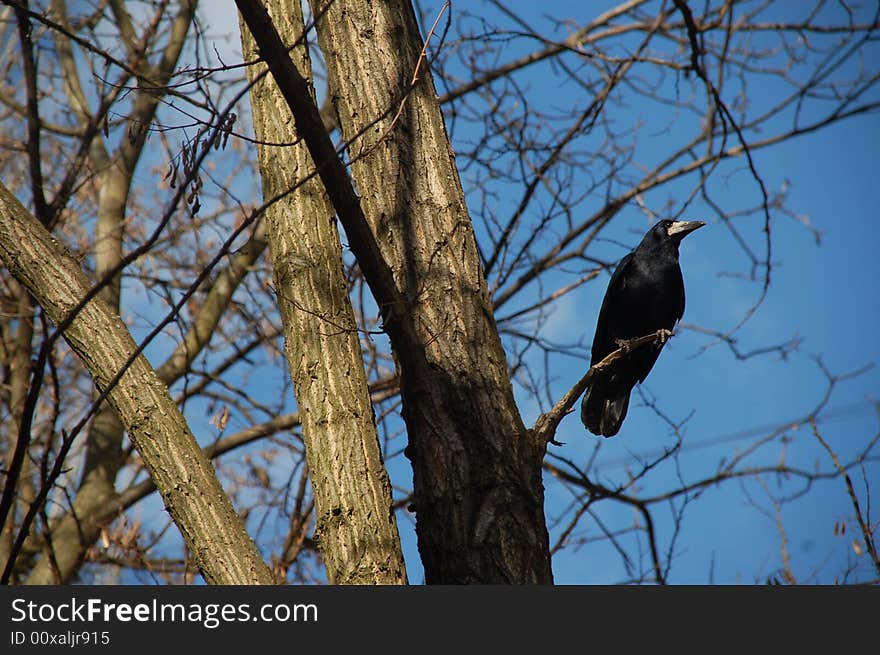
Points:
(356, 528)
(214, 533)
(18, 369)
(477, 471)
(75, 532)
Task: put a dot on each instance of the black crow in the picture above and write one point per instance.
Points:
(645, 294)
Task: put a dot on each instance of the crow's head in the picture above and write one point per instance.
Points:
(665, 233)
(678, 230)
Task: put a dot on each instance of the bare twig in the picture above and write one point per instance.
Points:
(545, 426)
(867, 532)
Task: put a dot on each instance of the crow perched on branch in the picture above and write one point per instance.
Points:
(645, 294)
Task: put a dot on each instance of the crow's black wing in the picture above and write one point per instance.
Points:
(612, 305)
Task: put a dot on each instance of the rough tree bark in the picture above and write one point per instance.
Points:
(74, 532)
(215, 534)
(477, 470)
(477, 473)
(355, 526)
(19, 368)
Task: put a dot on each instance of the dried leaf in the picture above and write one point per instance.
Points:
(224, 417)
(261, 475)
(221, 418)
(857, 547)
(105, 538)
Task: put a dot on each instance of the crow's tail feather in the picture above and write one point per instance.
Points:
(604, 407)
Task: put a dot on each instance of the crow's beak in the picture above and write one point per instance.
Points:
(680, 229)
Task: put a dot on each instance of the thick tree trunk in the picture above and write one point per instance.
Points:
(356, 528)
(477, 472)
(223, 551)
